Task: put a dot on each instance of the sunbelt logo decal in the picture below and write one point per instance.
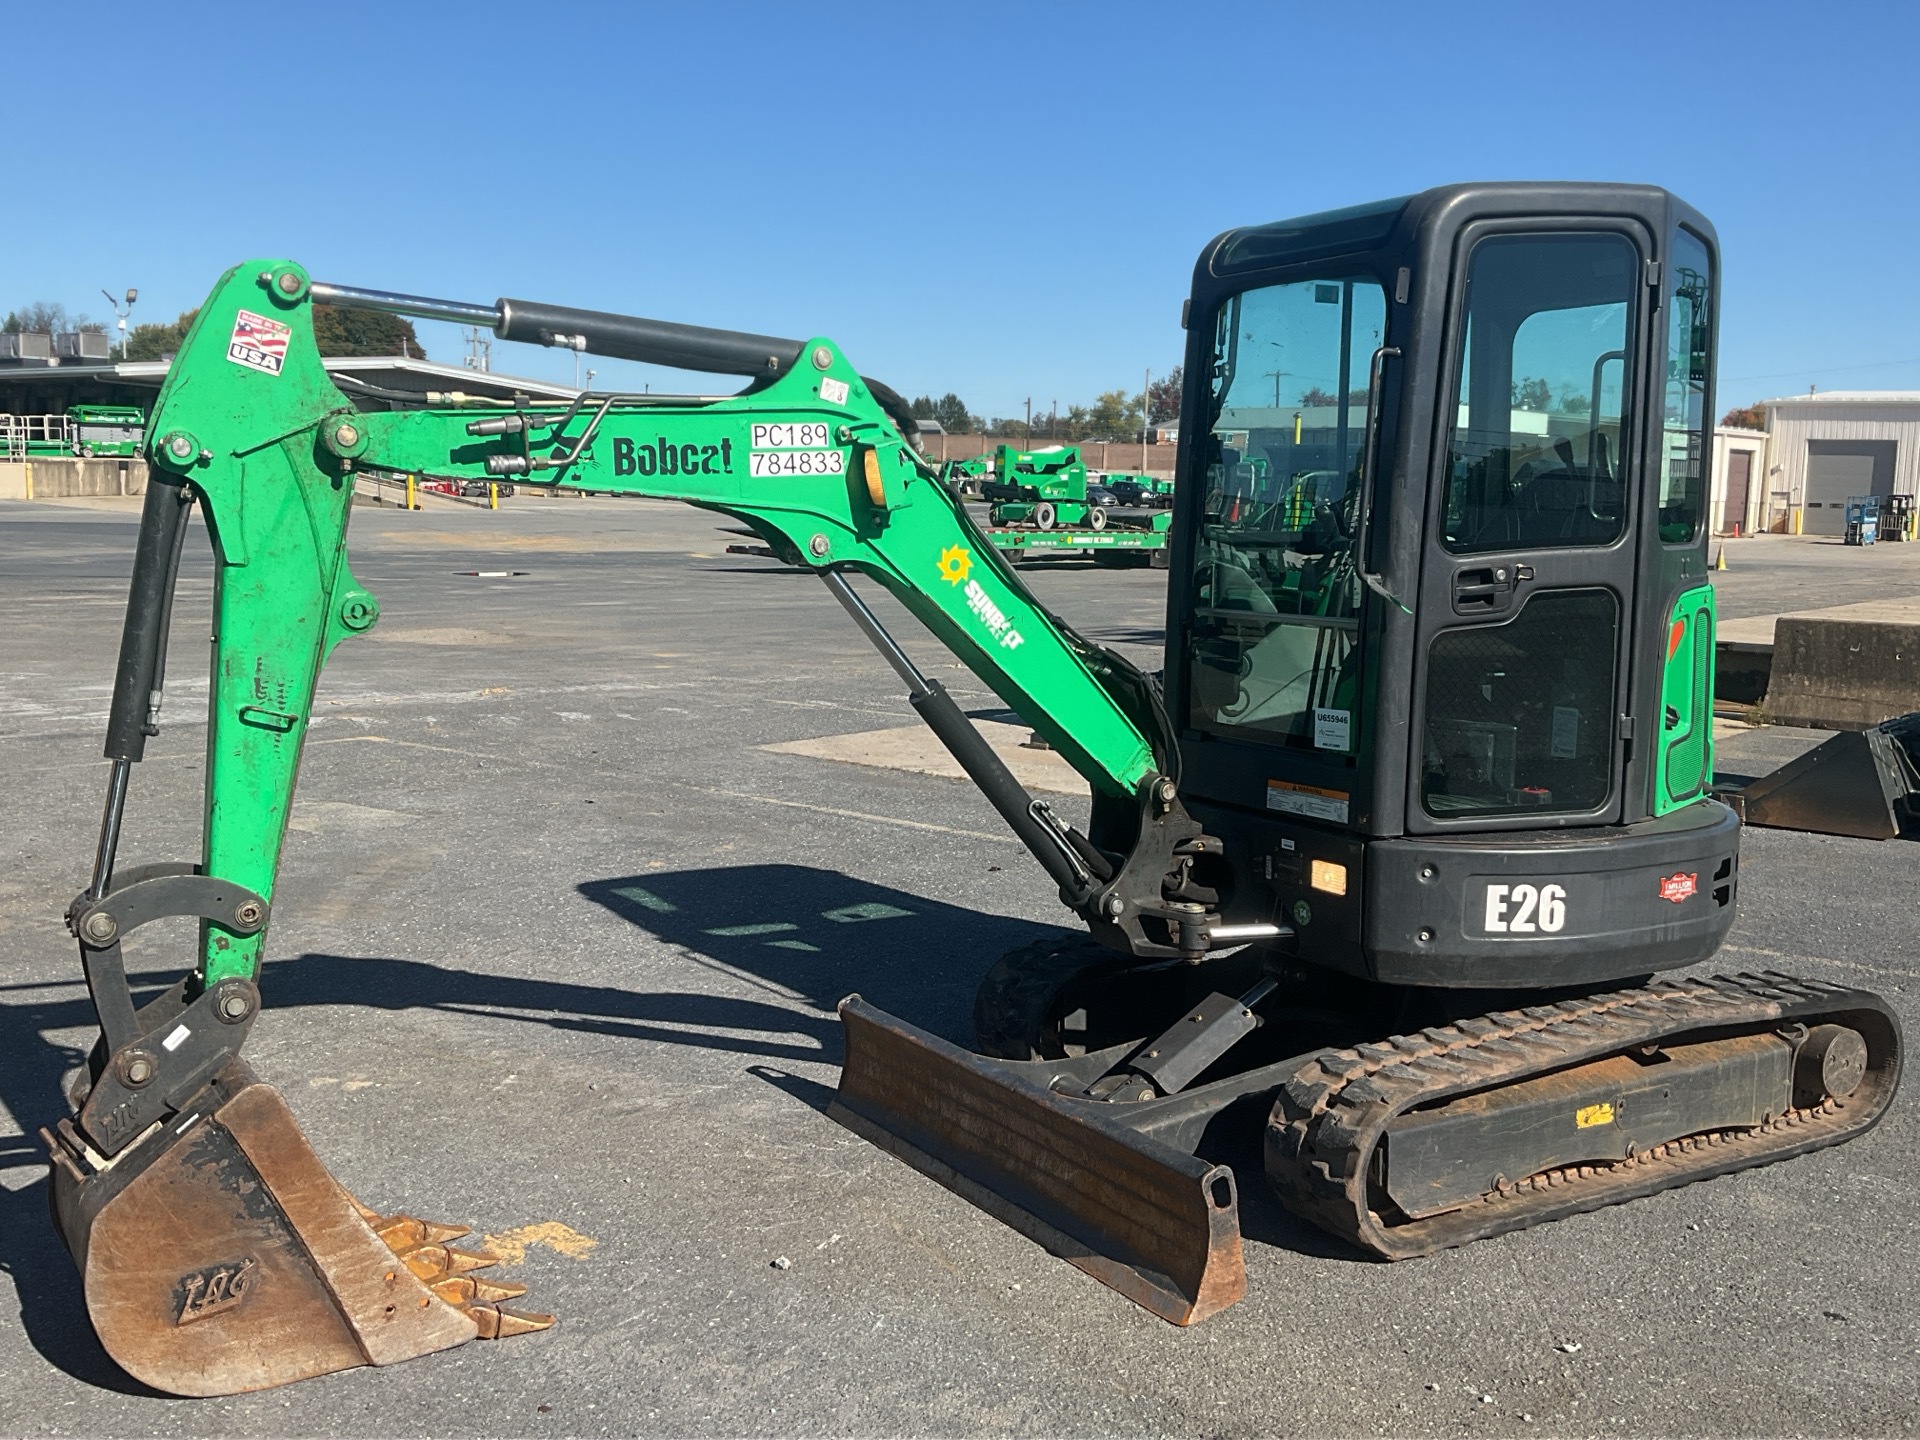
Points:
(956, 567)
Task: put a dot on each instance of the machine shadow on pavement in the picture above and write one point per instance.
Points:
(53, 1311)
(801, 934)
(821, 935)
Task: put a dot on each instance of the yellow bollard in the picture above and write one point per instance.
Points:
(411, 503)
(493, 496)
(1799, 515)
(28, 467)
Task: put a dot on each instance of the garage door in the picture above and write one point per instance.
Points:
(1837, 469)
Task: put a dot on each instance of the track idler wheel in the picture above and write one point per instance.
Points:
(1065, 995)
(218, 1254)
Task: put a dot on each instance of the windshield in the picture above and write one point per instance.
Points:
(1274, 647)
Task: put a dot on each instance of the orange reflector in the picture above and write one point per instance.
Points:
(1327, 876)
(876, 488)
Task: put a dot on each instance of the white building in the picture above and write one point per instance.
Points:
(1824, 447)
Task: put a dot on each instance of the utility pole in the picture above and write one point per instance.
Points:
(1146, 406)
(1029, 420)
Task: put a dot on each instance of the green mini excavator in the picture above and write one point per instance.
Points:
(1388, 864)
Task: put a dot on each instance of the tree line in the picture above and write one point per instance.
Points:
(44, 317)
(1114, 415)
(336, 332)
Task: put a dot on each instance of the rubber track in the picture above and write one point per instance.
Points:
(1016, 999)
(1329, 1117)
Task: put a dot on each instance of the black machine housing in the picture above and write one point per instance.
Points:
(1417, 897)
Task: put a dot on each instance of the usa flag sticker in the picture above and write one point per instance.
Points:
(258, 343)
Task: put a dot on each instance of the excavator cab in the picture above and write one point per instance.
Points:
(1440, 632)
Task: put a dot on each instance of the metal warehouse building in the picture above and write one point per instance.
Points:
(1825, 447)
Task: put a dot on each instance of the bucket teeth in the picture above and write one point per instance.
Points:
(437, 1262)
(404, 1232)
(467, 1289)
(445, 1270)
(496, 1322)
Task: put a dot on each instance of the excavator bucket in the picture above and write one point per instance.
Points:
(1859, 782)
(220, 1256)
(1160, 1226)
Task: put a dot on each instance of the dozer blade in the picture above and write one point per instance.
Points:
(1160, 1226)
(219, 1255)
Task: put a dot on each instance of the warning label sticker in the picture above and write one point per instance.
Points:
(1306, 800)
(258, 343)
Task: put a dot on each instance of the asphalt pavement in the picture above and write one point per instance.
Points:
(555, 953)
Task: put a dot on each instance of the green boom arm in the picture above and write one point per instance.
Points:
(252, 426)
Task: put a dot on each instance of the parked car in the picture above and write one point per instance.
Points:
(1134, 491)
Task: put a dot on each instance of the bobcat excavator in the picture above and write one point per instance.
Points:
(1387, 868)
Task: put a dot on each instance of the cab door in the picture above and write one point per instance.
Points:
(1524, 620)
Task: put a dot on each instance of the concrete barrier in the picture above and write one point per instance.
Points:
(58, 479)
(1741, 672)
(1842, 674)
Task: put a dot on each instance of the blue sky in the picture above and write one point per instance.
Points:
(1001, 200)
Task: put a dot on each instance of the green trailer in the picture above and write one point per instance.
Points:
(1116, 545)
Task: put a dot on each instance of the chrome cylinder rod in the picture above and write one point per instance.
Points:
(350, 297)
(869, 623)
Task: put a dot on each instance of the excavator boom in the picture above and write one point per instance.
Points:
(170, 1121)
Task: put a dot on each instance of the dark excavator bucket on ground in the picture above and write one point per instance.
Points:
(219, 1255)
(1860, 782)
(1160, 1226)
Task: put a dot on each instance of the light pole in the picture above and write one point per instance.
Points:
(123, 311)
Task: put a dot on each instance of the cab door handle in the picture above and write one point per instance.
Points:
(1486, 589)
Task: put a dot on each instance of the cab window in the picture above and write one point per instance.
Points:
(1274, 648)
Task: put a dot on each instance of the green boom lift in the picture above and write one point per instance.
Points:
(1388, 859)
(1042, 488)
